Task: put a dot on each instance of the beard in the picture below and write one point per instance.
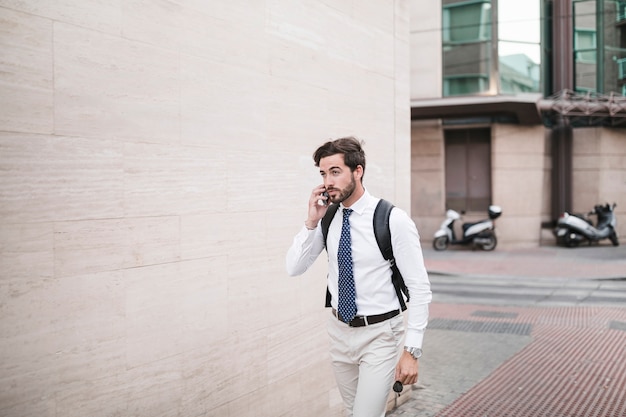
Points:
(346, 192)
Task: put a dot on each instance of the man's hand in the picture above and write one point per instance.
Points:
(407, 369)
(316, 210)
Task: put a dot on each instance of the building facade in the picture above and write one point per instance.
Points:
(518, 104)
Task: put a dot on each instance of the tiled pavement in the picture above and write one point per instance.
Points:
(501, 360)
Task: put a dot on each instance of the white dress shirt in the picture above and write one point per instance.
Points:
(375, 293)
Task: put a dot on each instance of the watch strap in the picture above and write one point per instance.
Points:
(414, 351)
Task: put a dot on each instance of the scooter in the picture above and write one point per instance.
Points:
(481, 234)
(573, 229)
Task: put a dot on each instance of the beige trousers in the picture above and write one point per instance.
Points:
(364, 360)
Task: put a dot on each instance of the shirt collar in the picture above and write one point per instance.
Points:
(361, 204)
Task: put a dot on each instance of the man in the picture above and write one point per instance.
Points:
(366, 327)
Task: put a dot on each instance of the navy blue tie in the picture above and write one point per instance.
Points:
(347, 293)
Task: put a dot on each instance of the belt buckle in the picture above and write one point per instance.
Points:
(358, 321)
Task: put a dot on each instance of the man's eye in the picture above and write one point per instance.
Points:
(336, 172)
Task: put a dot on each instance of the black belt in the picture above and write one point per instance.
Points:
(360, 321)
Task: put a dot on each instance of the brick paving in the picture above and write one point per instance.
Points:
(572, 363)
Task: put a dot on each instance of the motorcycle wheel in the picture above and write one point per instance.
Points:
(570, 240)
(614, 240)
(493, 242)
(440, 243)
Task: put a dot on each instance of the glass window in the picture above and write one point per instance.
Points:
(621, 68)
(621, 11)
(466, 47)
(467, 21)
(611, 56)
(519, 46)
(468, 61)
(585, 45)
(468, 84)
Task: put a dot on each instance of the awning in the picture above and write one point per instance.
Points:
(522, 108)
(580, 110)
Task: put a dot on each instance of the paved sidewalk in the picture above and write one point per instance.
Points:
(495, 361)
(502, 360)
(585, 262)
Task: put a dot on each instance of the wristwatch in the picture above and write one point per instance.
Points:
(415, 352)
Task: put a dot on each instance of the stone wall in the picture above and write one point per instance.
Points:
(599, 172)
(521, 172)
(155, 163)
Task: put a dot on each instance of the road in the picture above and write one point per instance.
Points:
(537, 292)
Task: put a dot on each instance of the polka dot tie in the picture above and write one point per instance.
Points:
(347, 292)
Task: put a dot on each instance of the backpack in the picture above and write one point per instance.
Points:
(383, 239)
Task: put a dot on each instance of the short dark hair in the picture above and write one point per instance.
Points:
(350, 147)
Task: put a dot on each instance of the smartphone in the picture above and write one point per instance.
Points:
(325, 202)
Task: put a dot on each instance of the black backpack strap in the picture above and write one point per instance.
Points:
(383, 238)
(328, 217)
(381, 228)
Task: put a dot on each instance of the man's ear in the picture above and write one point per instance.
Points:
(359, 172)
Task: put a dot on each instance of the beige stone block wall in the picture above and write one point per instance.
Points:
(428, 173)
(599, 171)
(427, 167)
(426, 52)
(155, 163)
(520, 170)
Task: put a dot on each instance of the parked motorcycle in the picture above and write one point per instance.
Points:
(573, 229)
(481, 234)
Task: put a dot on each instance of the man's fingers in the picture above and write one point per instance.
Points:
(406, 376)
(397, 377)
